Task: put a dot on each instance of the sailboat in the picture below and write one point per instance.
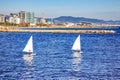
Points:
(77, 45)
(29, 48)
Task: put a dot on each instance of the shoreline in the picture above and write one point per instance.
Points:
(17, 29)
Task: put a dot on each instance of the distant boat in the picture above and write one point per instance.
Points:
(77, 45)
(29, 48)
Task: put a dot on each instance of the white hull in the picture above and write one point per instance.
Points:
(76, 54)
(28, 57)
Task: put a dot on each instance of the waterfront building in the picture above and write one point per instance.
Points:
(69, 24)
(36, 20)
(2, 18)
(84, 24)
(22, 16)
(29, 17)
(42, 20)
(14, 18)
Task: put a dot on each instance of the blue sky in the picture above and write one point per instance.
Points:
(100, 9)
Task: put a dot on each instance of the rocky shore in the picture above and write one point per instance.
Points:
(16, 29)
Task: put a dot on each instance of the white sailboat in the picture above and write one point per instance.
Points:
(77, 45)
(29, 48)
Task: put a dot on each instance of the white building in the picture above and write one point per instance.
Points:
(2, 18)
(14, 18)
(43, 21)
(69, 24)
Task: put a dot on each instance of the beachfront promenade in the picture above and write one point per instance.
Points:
(18, 29)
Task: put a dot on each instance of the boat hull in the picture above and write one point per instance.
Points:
(28, 56)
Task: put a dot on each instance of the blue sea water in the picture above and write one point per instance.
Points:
(54, 59)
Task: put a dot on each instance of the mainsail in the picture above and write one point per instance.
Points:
(29, 46)
(77, 44)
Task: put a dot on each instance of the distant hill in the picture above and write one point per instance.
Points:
(64, 19)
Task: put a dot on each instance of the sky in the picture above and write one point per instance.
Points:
(99, 9)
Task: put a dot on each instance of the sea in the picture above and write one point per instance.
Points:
(54, 59)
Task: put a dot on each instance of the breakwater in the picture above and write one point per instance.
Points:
(15, 29)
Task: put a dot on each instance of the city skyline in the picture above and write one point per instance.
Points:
(100, 9)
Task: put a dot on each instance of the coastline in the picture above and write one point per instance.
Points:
(18, 29)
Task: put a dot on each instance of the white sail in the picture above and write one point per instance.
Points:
(77, 44)
(29, 46)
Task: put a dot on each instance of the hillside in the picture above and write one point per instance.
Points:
(64, 19)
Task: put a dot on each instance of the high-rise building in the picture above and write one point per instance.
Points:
(22, 16)
(2, 18)
(29, 17)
